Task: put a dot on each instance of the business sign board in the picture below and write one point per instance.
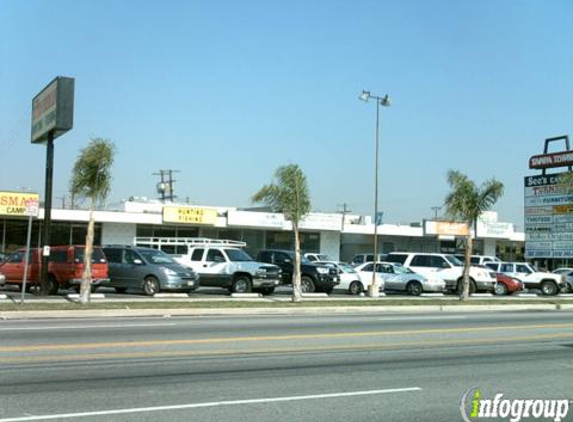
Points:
(53, 109)
(494, 229)
(189, 215)
(319, 221)
(445, 228)
(548, 218)
(556, 159)
(255, 219)
(16, 204)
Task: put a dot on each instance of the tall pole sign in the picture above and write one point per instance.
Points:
(52, 116)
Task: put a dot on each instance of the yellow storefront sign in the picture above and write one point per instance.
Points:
(14, 203)
(189, 215)
(563, 209)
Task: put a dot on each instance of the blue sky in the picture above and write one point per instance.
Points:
(227, 91)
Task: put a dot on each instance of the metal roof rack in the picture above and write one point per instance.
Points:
(157, 242)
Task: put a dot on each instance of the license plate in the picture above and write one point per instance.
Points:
(190, 283)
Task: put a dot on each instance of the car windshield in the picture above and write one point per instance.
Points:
(156, 257)
(237, 255)
(347, 268)
(454, 261)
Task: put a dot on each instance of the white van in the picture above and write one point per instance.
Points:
(447, 267)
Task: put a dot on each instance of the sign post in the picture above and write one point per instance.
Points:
(52, 116)
(32, 208)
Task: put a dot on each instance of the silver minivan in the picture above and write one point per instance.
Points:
(147, 269)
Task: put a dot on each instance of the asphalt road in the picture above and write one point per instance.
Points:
(356, 367)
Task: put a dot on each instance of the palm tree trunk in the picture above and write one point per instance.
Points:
(296, 285)
(86, 285)
(465, 294)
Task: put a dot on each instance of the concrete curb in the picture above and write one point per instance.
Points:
(246, 295)
(106, 313)
(76, 296)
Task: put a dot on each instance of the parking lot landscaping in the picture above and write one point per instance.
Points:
(7, 306)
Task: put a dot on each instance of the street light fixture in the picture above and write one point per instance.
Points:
(380, 101)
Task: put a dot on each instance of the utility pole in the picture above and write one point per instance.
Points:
(345, 210)
(63, 198)
(165, 186)
(436, 209)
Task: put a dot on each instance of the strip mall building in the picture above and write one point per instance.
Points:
(327, 233)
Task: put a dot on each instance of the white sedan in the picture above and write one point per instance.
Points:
(398, 278)
(351, 280)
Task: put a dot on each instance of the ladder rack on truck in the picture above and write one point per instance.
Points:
(158, 242)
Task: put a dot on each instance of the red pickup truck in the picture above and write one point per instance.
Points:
(65, 267)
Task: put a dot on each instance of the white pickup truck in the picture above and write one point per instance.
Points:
(548, 283)
(220, 263)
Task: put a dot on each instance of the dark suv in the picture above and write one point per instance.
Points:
(314, 277)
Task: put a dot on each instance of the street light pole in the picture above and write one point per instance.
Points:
(384, 101)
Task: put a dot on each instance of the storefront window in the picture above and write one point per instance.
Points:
(13, 234)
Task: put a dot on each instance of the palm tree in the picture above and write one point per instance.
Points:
(466, 202)
(565, 182)
(289, 195)
(91, 178)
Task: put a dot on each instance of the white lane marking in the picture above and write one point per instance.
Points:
(422, 318)
(207, 404)
(75, 327)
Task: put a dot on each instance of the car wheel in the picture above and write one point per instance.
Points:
(151, 286)
(459, 287)
(267, 290)
(242, 284)
(500, 289)
(121, 289)
(52, 285)
(549, 288)
(355, 288)
(306, 284)
(415, 288)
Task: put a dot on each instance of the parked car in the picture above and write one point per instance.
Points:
(568, 274)
(351, 281)
(65, 267)
(548, 283)
(313, 257)
(231, 268)
(446, 267)
(367, 257)
(398, 278)
(507, 285)
(150, 270)
(478, 259)
(314, 277)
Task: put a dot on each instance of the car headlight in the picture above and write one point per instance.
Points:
(169, 271)
(322, 270)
